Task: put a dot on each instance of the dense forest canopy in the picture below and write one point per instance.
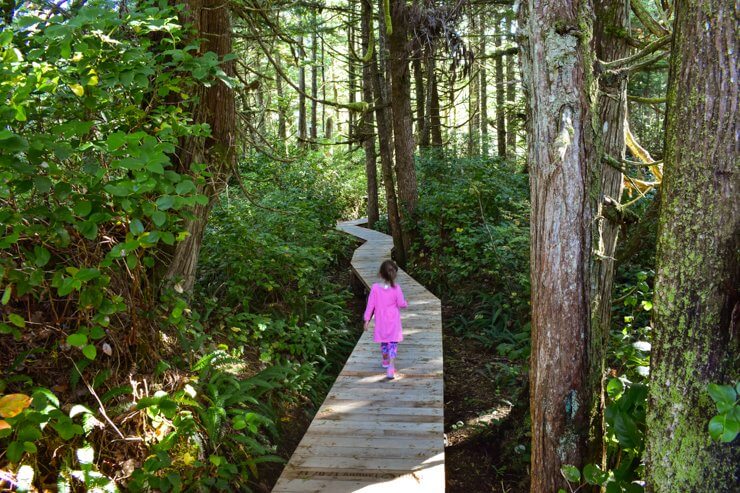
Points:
(174, 296)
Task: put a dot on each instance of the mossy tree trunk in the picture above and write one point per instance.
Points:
(368, 134)
(302, 127)
(217, 107)
(385, 135)
(403, 137)
(557, 74)
(612, 18)
(512, 113)
(696, 289)
(500, 93)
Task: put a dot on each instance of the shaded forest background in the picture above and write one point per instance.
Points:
(175, 299)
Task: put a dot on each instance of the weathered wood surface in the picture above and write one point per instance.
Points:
(371, 434)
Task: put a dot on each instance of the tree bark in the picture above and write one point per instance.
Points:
(696, 289)
(420, 98)
(473, 94)
(216, 107)
(368, 135)
(612, 17)
(351, 77)
(314, 83)
(556, 65)
(483, 85)
(384, 120)
(500, 96)
(302, 130)
(403, 137)
(512, 122)
(435, 120)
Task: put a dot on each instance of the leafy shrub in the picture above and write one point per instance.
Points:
(473, 223)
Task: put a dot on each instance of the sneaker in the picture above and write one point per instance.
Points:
(386, 363)
(391, 373)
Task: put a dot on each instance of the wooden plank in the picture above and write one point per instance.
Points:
(370, 434)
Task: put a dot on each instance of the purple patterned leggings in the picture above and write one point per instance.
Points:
(389, 349)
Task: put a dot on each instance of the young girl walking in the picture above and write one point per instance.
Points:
(385, 300)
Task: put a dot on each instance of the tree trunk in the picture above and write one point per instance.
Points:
(216, 107)
(612, 17)
(483, 85)
(403, 137)
(556, 65)
(282, 108)
(385, 139)
(368, 136)
(473, 93)
(351, 77)
(500, 95)
(512, 122)
(314, 83)
(435, 120)
(697, 280)
(302, 130)
(420, 98)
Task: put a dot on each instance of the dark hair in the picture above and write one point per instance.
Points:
(388, 271)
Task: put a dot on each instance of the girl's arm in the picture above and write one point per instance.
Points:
(370, 305)
(400, 300)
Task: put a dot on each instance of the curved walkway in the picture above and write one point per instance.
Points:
(371, 434)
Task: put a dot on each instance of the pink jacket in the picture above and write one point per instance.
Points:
(385, 302)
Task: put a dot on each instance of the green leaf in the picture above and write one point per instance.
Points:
(41, 256)
(88, 229)
(77, 339)
(115, 140)
(42, 184)
(594, 475)
(722, 394)
(83, 208)
(17, 320)
(184, 187)
(159, 218)
(136, 227)
(87, 274)
(6, 294)
(614, 387)
(571, 473)
(165, 202)
(90, 351)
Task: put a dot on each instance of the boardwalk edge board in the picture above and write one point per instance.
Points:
(363, 414)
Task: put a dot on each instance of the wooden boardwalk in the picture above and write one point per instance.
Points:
(371, 434)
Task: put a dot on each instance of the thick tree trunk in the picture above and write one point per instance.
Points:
(612, 17)
(384, 120)
(368, 135)
(500, 96)
(302, 130)
(556, 65)
(483, 85)
(696, 289)
(512, 122)
(403, 137)
(217, 108)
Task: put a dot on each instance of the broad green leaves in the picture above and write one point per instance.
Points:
(726, 425)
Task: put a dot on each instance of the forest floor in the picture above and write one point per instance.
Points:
(295, 419)
(484, 420)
